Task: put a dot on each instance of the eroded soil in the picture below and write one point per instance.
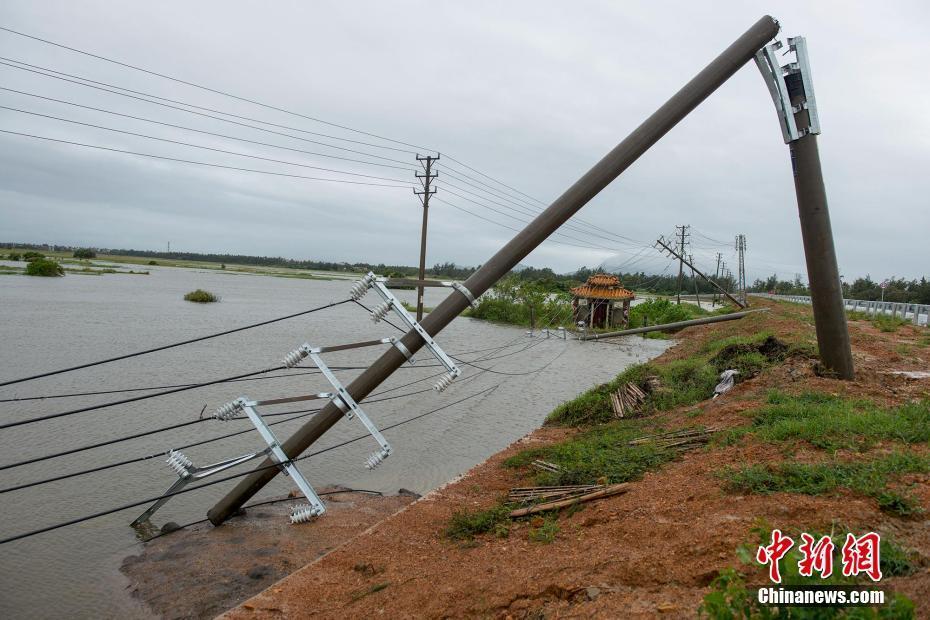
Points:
(653, 550)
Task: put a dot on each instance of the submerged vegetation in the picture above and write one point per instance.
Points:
(44, 267)
(518, 302)
(201, 296)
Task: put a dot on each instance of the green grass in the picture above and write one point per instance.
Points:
(597, 455)
(546, 531)
(682, 382)
(201, 296)
(834, 423)
(659, 311)
(887, 323)
(467, 524)
(413, 307)
(870, 478)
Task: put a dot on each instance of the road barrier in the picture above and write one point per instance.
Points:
(917, 313)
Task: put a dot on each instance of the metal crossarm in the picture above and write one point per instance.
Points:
(300, 513)
(187, 472)
(351, 409)
(391, 303)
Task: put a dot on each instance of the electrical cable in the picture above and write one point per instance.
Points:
(217, 91)
(180, 109)
(408, 168)
(175, 344)
(277, 500)
(199, 163)
(190, 489)
(198, 146)
(174, 426)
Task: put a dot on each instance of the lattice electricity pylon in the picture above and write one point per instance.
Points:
(392, 303)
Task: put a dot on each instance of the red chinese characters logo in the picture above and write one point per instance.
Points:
(772, 553)
(816, 557)
(858, 555)
(861, 555)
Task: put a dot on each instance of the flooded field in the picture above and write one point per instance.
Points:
(51, 323)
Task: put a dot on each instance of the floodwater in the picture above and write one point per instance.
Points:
(51, 323)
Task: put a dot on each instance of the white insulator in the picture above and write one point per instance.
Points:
(304, 513)
(444, 382)
(359, 289)
(381, 311)
(376, 458)
(179, 463)
(228, 411)
(294, 357)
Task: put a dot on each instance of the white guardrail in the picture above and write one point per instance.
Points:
(916, 313)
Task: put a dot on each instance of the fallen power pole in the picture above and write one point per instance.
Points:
(792, 91)
(677, 325)
(537, 231)
(660, 242)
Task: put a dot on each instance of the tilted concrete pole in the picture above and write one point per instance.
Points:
(537, 231)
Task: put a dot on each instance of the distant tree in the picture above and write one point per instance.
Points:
(31, 256)
(84, 253)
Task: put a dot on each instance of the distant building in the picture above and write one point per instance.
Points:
(602, 302)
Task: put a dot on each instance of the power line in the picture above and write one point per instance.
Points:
(199, 163)
(203, 131)
(180, 109)
(191, 105)
(199, 146)
(267, 415)
(189, 489)
(174, 344)
(212, 90)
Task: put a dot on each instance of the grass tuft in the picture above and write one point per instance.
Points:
(870, 478)
(466, 524)
(201, 296)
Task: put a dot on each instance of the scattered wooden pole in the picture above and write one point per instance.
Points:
(614, 489)
(653, 328)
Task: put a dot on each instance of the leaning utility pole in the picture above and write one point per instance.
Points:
(792, 91)
(697, 296)
(717, 276)
(681, 254)
(525, 241)
(426, 178)
(662, 245)
(741, 250)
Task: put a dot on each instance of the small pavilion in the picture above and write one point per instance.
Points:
(596, 302)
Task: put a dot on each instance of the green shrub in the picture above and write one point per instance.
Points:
(84, 253)
(152, 262)
(546, 532)
(201, 296)
(659, 311)
(44, 267)
(31, 256)
(466, 524)
(14, 256)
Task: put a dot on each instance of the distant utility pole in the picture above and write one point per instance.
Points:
(426, 177)
(697, 295)
(717, 276)
(741, 250)
(681, 256)
(169, 246)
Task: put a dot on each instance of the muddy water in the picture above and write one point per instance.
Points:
(53, 323)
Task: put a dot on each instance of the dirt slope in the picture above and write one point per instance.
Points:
(653, 550)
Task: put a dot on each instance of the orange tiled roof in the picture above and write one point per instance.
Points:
(602, 286)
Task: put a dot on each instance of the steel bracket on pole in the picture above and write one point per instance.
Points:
(391, 303)
(785, 81)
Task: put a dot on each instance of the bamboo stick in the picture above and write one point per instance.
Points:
(615, 489)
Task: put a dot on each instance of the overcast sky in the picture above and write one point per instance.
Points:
(530, 93)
